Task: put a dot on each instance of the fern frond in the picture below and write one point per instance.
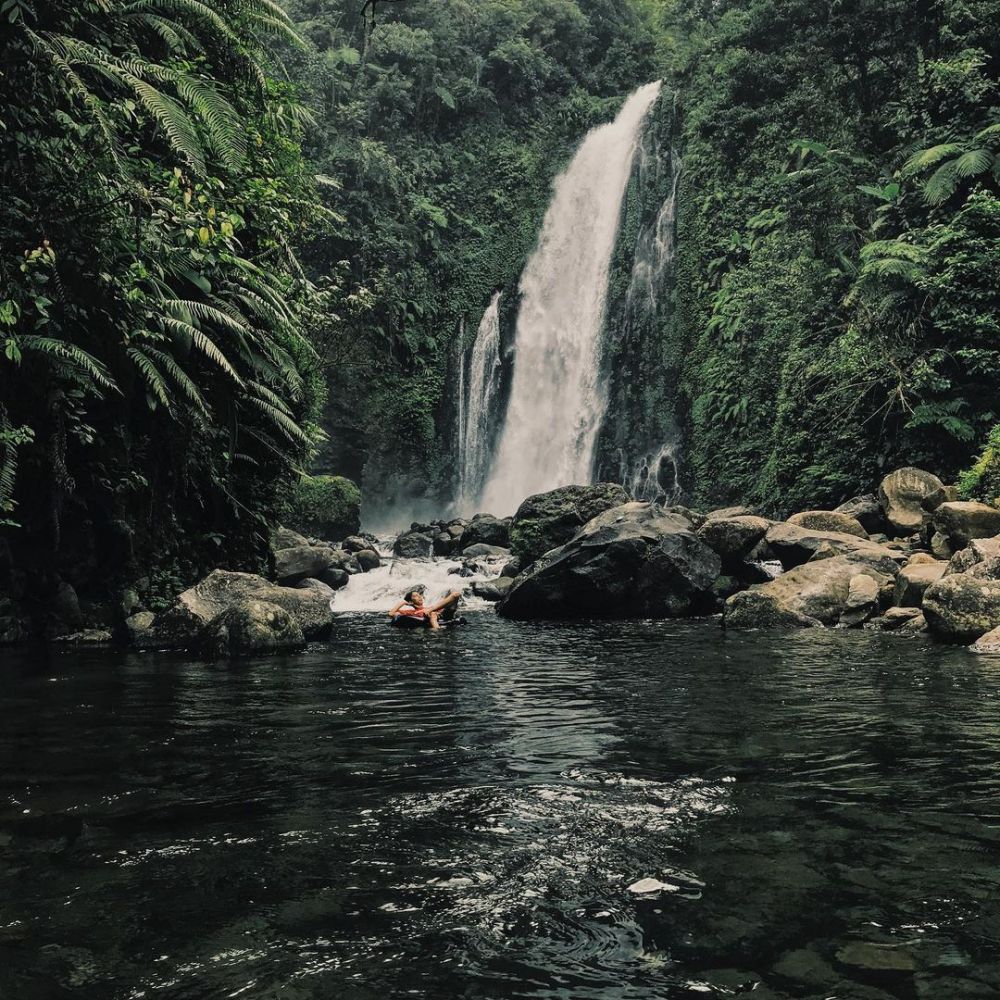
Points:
(211, 350)
(973, 163)
(281, 420)
(150, 374)
(929, 157)
(74, 356)
(942, 183)
(181, 379)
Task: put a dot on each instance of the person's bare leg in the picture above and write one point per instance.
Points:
(445, 602)
(434, 619)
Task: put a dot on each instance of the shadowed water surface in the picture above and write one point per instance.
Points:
(638, 810)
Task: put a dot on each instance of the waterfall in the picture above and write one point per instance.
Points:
(557, 396)
(475, 440)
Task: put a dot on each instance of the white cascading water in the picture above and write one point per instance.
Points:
(484, 385)
(381, 589)
(557, 398)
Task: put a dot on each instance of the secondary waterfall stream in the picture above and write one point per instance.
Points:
(557, 399)
(483, 387)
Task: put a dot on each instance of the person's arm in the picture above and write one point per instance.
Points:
(395, 610)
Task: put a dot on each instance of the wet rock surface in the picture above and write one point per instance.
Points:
(631, 561)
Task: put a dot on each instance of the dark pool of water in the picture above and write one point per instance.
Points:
(461, 815)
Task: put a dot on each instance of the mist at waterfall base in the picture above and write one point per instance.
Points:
(557, 399)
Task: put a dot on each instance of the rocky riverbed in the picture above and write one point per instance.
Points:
(910, 558)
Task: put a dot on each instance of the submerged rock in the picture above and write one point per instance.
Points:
(368, 559)
(989, 643)
(547, 520)
(901, 494)
(493, 590)
(894, 619)
(483, 551)
(632, 561)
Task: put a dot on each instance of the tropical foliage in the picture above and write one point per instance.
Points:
(155, 373)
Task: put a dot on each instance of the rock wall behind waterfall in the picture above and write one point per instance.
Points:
(640, 443)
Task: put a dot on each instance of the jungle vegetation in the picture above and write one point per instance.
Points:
(241, 240)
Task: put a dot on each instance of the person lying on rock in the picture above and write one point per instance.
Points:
(411, 612)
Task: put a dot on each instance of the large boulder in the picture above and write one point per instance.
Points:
(913, 581)
(989, 643)
(961, 607)
(727, 512)
(829, 520)
(180, 626)
(285, 538)
(795, 545)
(901, 494)
(963, 521)
(485, 529)
(414, 545)
(866, 510)
(733, 537)
(980, 558)
(301, 561)
(252, 627)
(632, 561)
(547, 520)
(820, 591)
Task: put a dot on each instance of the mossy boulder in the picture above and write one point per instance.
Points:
(961, 608)
(327, 507)
(547, 520)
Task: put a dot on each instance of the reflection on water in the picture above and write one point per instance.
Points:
(643, 810)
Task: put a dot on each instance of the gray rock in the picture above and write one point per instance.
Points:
(633, 561)
(368, 559)
(862, 600)
(87, 637)
(961, 608)
(137, 624)
(981, 558)
(414, 545)
(728, 512)
(512, 567)
(932, 501)
(894, 618)
(300, 562)
(755, 609)
(66, 605)
(733, 538)
(866, 510)
(285, 538)
(445, 543)
(962, 522)
(692, 516)
(829, 520)
(940, 547)
(547, 520)
(355, 543)
(493, 590)
(482, 551)
(818, 590)
(989, 643)
(795, 545)
(334, 577)
(901, 494)
(485, 529)
(180, 626)
(251, 627)
(913, 581)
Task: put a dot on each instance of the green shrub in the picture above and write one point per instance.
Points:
(982, 481)
(325, 506)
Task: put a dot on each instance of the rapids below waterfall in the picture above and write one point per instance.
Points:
(597, 811)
